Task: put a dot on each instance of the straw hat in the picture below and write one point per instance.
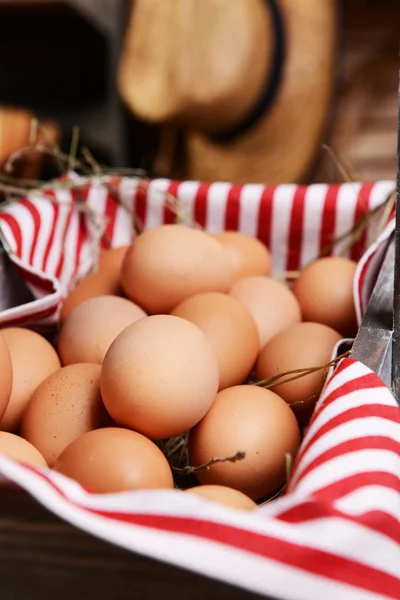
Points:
(248, 82)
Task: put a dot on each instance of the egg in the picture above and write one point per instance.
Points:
(270, 302)
(104, 281)
(230, 330)
(65, 405)
(113, 460)
(223, 495)
(248, 255)
(245, 419)
(6, 376)
(90, 329)
(170, 263)
(324, 290)
(33, 359)
(302, 346)
(159, 376)
(19, 449)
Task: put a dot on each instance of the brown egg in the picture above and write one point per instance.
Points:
(302, 346)
(230, 330)
(33, 359)
(248, 255)
(19, 449)
(223, 495)
(6, 376)
(105, 281)
(246, 419)
(271, 304)
(90, 329)
(111, 260)
(170, 263)
(324, 290)
(160, 376)
(65, 405)
(112, 460)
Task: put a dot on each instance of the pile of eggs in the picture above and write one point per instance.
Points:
(176, 338)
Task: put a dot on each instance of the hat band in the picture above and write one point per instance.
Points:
(270, 88)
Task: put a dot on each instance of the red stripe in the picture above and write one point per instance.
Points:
(372, 442)
(328, 217)
(36, 225)
(170, 215)
(375, 520)
(345, 486)
(391, 413)
(49, 246)
(296, 229)
(265, 215)
(140, 202)
(365, 382)
(310, 560)
(63, 244)
(233, 208)
(15, 230)
(45, 284)
(362, 208)
(111, 214)
(201, 202)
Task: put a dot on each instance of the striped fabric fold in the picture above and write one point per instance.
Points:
(335, 533)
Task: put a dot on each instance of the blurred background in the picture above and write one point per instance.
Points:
(59, 60)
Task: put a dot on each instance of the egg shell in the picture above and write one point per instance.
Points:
(65, 405)
(6, 376)
(248, 254)
(33, 359)
(229, 328)
(160, 376)
(19, 449)
(270, 302)
(90, 329)
(113, 460)
(104, 281)
(246, 419)
(170, 263)
(223, 495)
(324, 290)
(302, 346)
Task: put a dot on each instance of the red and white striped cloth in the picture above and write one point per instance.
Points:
(336, 532)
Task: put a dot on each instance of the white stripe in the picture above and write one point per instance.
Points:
(351, 430)
(26, 223)
(123, 231)
(127, 191)
(155, 202)
(201, 555)
(281, 213)
(346, 203)
(312, 222)
(45, 210)
(217, 199)
(97, 198)
(352, 372)
(352, 463)
(370, 498)
(249, 208)
(187, 191)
